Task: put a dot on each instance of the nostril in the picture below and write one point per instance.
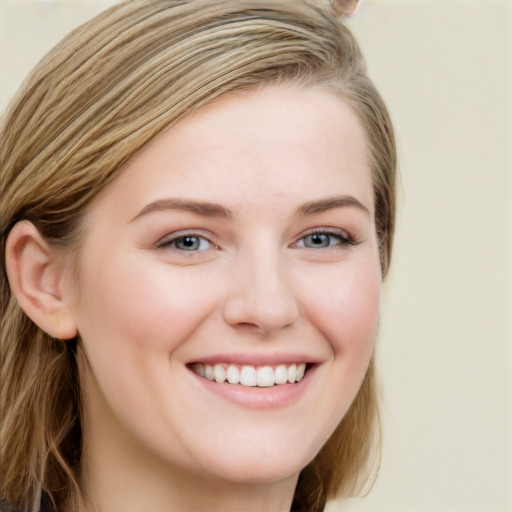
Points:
(247, 326)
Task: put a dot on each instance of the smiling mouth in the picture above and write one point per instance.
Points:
(251, 376)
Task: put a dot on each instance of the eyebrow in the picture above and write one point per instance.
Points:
(208, 209)
(202, 208)
(322, 205)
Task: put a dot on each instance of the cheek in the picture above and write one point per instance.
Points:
(132, 317)
(347, 312)
(143, 307)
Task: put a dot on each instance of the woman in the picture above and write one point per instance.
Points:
(197, 213)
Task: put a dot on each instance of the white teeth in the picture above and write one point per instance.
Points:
(265, 377)
(208, 371)
(233, 374)
(301, 370)
(292, 373)
(281, 375)
(199, 369)
(219, 374)
(248, 376)
(251, 376)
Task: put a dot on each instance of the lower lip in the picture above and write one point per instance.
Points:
(275, 397)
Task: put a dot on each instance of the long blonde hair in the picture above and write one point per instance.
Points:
(99, 96)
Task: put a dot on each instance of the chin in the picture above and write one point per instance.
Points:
(261, 466)
(261, 473)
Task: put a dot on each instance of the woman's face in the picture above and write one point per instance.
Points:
(239, 244)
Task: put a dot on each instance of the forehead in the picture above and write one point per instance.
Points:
(265, 145)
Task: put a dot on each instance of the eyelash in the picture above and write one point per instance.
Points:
(344, 239)
(172, 240)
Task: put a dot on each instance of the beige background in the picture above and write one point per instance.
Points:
(445, 70)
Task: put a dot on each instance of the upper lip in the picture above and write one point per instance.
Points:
(257, 359)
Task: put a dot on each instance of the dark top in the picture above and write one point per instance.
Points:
(46, 505)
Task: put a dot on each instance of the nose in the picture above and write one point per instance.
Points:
(261, 295)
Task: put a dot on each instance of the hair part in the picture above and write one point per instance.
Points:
(95, 100)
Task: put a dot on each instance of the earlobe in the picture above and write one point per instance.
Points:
(36, 274)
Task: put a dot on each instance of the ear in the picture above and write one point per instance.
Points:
(36, 275)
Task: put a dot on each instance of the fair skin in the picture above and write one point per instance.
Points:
(242, 237)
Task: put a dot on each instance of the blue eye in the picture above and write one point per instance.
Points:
(187, 243)
(324, 240)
